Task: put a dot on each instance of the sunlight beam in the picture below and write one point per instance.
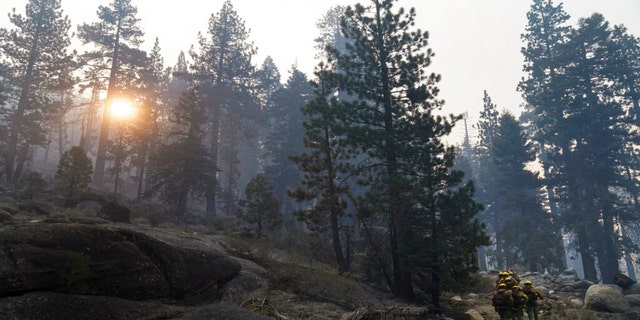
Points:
(122, 109)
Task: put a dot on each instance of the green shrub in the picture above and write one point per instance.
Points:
(150, 212)
(226, 224)
(250, 248)
(31, 185)
(74, 172)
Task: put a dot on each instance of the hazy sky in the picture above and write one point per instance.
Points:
(477, 43)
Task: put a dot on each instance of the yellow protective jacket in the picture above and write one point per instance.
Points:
(533, 294)
(520, 299)
(502, 298)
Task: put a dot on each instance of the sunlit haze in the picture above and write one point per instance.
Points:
(121, 108)
(477, 43)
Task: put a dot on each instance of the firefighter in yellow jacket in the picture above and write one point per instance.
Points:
(519, 303)
(502, 301)
(501, 279)
(532, 303)
(512, 274)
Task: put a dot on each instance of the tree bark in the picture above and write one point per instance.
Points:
(98, 173)
(25, 91)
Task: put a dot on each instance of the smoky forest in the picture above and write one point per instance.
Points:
(354, 157)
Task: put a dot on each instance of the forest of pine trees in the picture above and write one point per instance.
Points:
(353, 155)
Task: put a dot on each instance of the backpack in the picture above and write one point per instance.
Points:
(499, 298)
(531, 295)
(517, 299)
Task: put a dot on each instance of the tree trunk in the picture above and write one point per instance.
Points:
(25, 91)
(22, 157)
(183, 195)
(482, 258)
(141, 171)
(98, 173)
(215, 140)
(609, 267)
(343, 265)
(403, 287)
(378, 256)
(337, 245)
(588, 261)
(553, 207)
(631, 272)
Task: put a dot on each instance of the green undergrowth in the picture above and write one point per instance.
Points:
(319, 284)
(297, 273)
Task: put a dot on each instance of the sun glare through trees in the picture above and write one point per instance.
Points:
(122, 108)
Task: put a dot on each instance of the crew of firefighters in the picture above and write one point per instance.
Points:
(511, 301)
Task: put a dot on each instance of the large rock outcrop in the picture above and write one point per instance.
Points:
(44, 265)
(96, 260)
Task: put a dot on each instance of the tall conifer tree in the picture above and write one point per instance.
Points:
(389, 117)
(222, 66)
(599, 128)
(523, 228)
(326, 173)
(37, 60)
(181, 166)
(577, 86)
(116, 38)
(285, 122)
(545, 33)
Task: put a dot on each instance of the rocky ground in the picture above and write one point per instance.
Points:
(63, 267)
(566, 297)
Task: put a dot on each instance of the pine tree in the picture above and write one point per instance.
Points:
(74, 173)
(523, 228)
(116, 38)
(468, 162)
(389, 117)
(119, 153)
(325, 185)
(152, 108)
(576, 87)
(599, 125)
(268, 77)
(329, 28)
(181, 167)
(63, 92)
(5, 82)
(222, 66)
(546, 32)
(487, 127)
(624, 52)
(31, 185)
(283, 139)
(260, 207)
(36, 51)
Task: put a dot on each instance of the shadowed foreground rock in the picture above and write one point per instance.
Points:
(44, 266)
(53, 305)
(89, 268)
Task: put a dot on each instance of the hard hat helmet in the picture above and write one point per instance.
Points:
(527, 282)
(503, 274)
(516, 287)
(502, 285)
(508, 279)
